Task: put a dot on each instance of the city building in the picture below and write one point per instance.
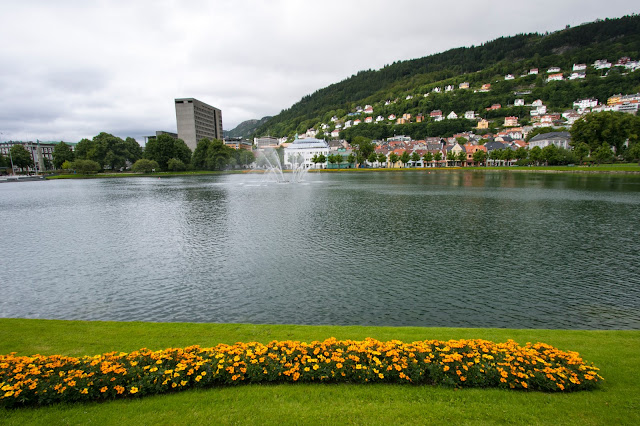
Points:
(559, 139)
(197, 120)
(266, 142)
(41, 153)
(303, 151)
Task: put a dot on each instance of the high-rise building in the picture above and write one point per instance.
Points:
(197, 120)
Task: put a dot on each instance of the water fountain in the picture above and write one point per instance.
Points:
(274, 171)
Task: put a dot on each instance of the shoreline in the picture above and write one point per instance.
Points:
(594, 170)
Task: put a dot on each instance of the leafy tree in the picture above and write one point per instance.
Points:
(332, 159)
(462, 157)
(363, 147)
(535, 154)
(246, 157)
(145, 165)
(405, 157)
(61, 153)
(175, 165)
(134, 150)
(427, 157)
(86, 166)
(550, 154)
(438, 157)
(164, 147)
(415, 157)
(393, 158)
(613, 128)
(521, 153)
(351, 158)
(373, 157)
(315, 159)
(67, 165)
(603, 154)
(451, 157)
(21, 157)
(581, 150)
(339, 159)
(507, 155)
(633, 153)
(479, 157)
(322, 159)
(382, 158)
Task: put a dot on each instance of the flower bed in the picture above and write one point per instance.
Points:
(43, 380)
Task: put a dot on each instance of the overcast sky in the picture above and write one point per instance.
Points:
(70, 69)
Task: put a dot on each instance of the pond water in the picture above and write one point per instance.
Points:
(456, 249)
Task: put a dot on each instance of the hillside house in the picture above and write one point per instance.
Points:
(452, 116)
(578, 75)
(419, 118)
(553, 70)
(356, 122)
(579, 67)
(510, 121)
(585, 103)
(448, 88)
(368, 109)
(533, 71)
(555, 77)
(409, 97)
(494, 107)
(335, 133)
(509, 77)
(485, 87)
(518, 102)
(436, 90)
(601, 64)
(436, 115)
(391, 117)
(483, 124)
(368, 119)
(464, 85)
(559, 139)
(470, 115)
(348, 124)
(379, 119)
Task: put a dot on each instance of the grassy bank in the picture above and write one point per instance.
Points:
(617, 401)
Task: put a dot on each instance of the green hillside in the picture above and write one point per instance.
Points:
(246, 128)
(488, 63)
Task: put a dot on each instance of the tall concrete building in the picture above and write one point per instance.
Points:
(197, 120)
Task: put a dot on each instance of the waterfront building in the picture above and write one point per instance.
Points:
(303, 151)
(197, 120)
(559, 139)
(41, 152)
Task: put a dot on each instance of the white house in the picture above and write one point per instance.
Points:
(533, 71)
(579, 67)
(369, 119)
(537, 102)
(436, 90)
(553, 70)
(379, 119)
(509, 77)
(452, 116)
(555, 77)
(356, 122)
(518, 102)
(409, 97)
(391, 117)
(601, 64)
(368, 109)
(311, 133)
(585, 103)
(448, 88)
(348, 124)
(303, 150)
(559, 139)
(577, 75)
(335, 133)
(470, 115)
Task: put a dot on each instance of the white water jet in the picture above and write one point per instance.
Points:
(274, 171)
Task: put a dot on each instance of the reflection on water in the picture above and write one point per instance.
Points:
(413, 248)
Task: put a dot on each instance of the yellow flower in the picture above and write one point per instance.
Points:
(134, 389)
(84, 391)
(104, 389)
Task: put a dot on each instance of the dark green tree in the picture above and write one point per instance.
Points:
(145, 165)
(427, 157)
(603, 154)
(393, 158)
(479, 157)
(21, 157)
(581, 150)
(86, 166)
(405, 157)
(462, 158)
(382, 158)
(164, 147)
(61, 153)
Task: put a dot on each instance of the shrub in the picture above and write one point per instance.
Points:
(176, 165)
(144, 166)
(86, 166)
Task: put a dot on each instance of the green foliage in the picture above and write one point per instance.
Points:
(603, 154)
(212, 155)
(176, 165)
(164, 147)
(393, 158)
(67, 165)
(108, 150)
(21, 157)
(62, 153)
(145, 166)
(612, 128)
(86, 166)
(479, 157)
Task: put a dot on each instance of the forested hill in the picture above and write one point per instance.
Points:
(487, 63)
(245, 129)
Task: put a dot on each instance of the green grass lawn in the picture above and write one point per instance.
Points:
(616, 401)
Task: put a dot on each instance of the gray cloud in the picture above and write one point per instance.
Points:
(76, 68)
